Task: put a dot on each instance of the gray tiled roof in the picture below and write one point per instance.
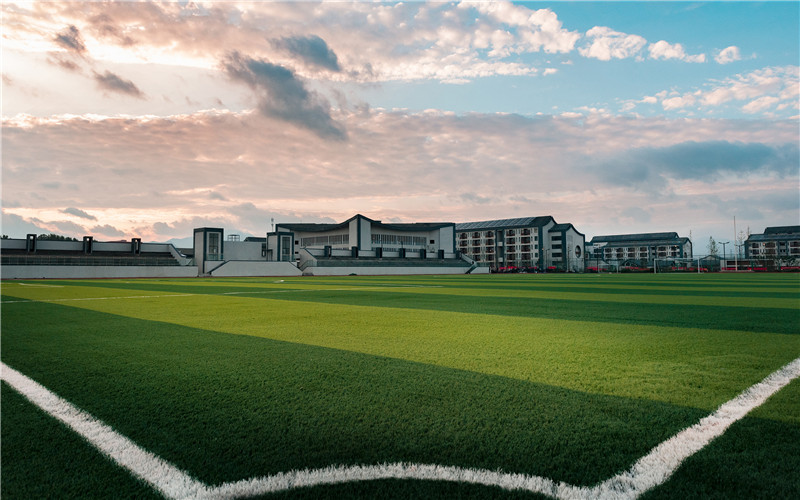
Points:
(504, 223)
(635, 238)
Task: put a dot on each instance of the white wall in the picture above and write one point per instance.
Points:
(379, 271)
(252, 268)
(243, 250)
(75, 272)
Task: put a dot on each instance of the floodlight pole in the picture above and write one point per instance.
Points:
(735, 254)
(724, 254)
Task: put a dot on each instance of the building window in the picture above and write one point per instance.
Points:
(213, 252)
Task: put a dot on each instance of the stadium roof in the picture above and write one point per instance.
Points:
(782, 230)
(640, 239)
(564, 227)
(504, 223)
(319, 228)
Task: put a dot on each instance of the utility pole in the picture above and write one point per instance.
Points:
(735, 253)
(724, 255)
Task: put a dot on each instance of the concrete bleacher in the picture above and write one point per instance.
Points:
(17, 257)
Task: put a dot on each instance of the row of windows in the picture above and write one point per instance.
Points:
(490, 237)
(510, 248)
(491, 233)
(772, 244)
(321, 241)
(397, 239)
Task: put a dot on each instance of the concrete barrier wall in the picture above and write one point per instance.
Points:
(252, 268)
(75, 272)
(381, 271)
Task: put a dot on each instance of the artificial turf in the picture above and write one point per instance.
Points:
(465, 371)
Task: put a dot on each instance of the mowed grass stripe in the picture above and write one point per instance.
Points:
(687, 366)
(81, 289)
(720, 317)
(197, 373)
(140, 328)
(225, 408)
(524, 290)
(531, 287)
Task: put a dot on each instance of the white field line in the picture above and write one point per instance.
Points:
(161, 475)
(648, 472)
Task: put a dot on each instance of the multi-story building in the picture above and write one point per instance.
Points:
(774, 243)
(528, 242)
(642, 248)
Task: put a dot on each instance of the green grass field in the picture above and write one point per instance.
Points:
(568, 377)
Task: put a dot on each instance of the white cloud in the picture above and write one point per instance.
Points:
(760, 104)
(665, 50)
(401, 161)
(728, 55)
(608, 44)
(776, 87)
(678, 102)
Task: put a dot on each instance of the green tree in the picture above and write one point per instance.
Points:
(712, 247)
(54, 237)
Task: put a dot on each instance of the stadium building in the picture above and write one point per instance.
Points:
(780, 242)
(362, 245)
(358, 245)
(641, 249)
(528, 242)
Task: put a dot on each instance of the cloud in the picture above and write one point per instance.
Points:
(665, 50)
(282, 95)
(706, 161)
(17, 227)
(761, 104)
(414, 166)
(312, 49)
(78, 213)
(69, 227)
(728, 55)
(607, 44)
(71, 40)
(764, 90)
(475, 198)
(114, 83)
(107, 230)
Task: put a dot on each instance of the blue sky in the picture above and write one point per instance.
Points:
(126, 119)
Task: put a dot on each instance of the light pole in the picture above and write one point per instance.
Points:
(724, 255)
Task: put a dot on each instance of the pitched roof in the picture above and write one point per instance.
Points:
(321, 227)
(505, 223)
(625, 238)
(782, 230)
(564, 227)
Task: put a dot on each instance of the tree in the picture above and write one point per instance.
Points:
(54, 237)
(712, 247)
(740, 239)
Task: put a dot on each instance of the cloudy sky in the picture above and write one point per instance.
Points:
(146, 120)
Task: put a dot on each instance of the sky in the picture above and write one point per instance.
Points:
(139, 119)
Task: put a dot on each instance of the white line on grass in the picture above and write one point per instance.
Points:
(648, 472)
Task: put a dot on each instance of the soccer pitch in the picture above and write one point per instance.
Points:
(493, 386)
